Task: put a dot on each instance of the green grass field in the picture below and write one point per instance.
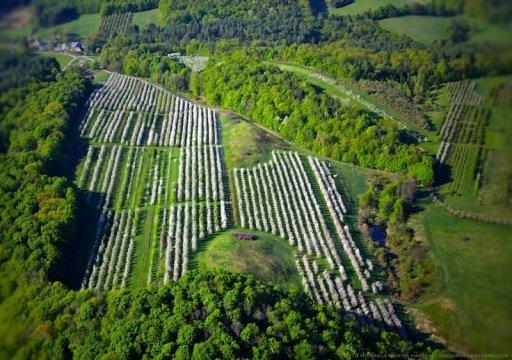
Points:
(490, 33)
(472, 307)
(81, 27)
(268, 257)
(361, 6)
(427, 29)
(424, 29)
(144, 18)
(62, 59)
(246, 144)
(101, 76)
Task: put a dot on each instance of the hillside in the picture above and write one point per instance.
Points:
(281, 179)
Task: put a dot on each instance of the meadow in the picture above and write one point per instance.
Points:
(424, 29)
(144, 18)
(85, 25)
(362, 6)
(470, 309)
(267, 257)
(62, 59)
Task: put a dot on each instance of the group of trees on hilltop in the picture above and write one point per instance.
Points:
(281, 101)
(147, 63)
(209, 20)
(205, 315)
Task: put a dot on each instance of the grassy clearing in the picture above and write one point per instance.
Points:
(144, 18)
(490, 33)
(424, 29)
(361, 6)
(269, 258)
(62, 59)
(101, 76)
(471, 307)
(81, 27)
(143, 250)
(245, 144)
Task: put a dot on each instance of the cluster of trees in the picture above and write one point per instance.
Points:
(340, 3)
(123, 6)
(269, 20)
(206, 315)
(7, 5)
(37, 204)
(412, 71)
(282, 101)
(387, 204)
(434, 8)
(50, 12)
(146, 62)
(18, 69)
(272, 22)
(488, 10)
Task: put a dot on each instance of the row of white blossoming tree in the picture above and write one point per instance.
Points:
(154, 174)
(280, 197)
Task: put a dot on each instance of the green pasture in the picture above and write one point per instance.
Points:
(472, 306)
(362, 6)
(268, 257)
(423, 29)
(80, 28)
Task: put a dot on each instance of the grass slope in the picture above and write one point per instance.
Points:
(80, 27)
(424, 29)
(101, 76)
(245, 144)
(485, 33)
(143, 18)
(471, 308)
(269, 258)
(361, 6)
(62, 59)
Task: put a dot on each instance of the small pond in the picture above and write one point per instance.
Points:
(378, 234)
